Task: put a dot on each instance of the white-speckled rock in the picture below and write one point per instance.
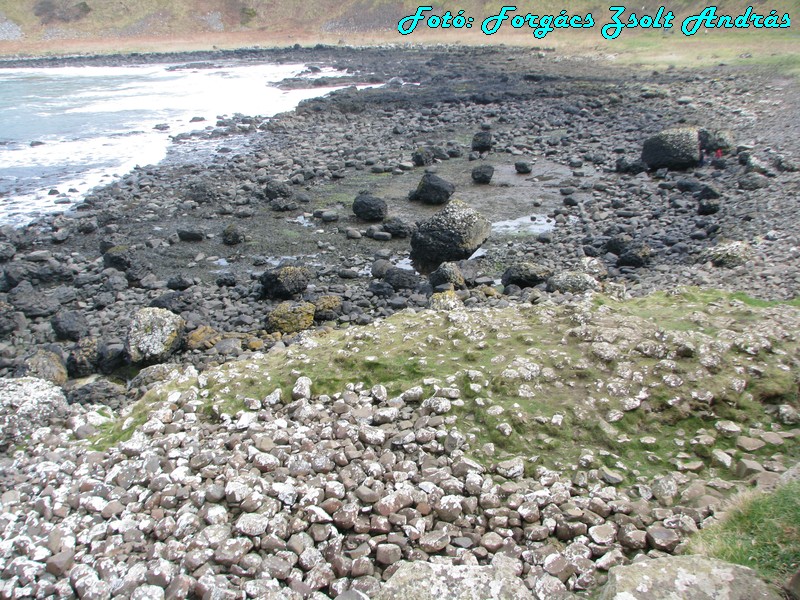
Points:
(26, 404)
(685, 578)
(154, 334)
(427, 581)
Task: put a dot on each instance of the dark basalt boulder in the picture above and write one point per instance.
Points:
(284, 282)
(432, 189)
(370, 208)
(675, 149)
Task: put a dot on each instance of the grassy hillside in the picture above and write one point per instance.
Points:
(45, 25)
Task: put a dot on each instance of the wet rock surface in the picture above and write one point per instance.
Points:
(246, 236)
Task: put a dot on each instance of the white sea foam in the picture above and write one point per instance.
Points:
(90, 125)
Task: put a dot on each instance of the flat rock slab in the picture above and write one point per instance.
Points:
(429, 581)
(686, 578)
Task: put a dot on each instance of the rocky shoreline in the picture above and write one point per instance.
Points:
(246, 236)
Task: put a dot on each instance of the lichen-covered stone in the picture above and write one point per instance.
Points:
(429, 581)
(448, 273)
(728, 255)
(154, 334)
(26, 404)
(290, 317)
(45, 365)
(446, 301)
(573, 282)
(327, 308)
(685, 578)
(453, 233)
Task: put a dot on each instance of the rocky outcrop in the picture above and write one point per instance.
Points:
(154, 334)
(26, 404)
(453, 233)
(685, 578)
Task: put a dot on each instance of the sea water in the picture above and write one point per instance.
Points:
(67, 130)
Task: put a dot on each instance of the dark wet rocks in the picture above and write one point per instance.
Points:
(401, 279)
(398, 228)
(482, 141)
(191, 235)
(31, 303)
(432, 189)
(523, 167)
(232, 235)
(482, 174)
(285, 282)
(368, 208)
(675, 149)
(70, 325)
(526, 274)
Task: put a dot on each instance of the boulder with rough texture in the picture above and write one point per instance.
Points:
(44, 364)
(70, 325)
(401, 279)
(729, 254)
(673, 148)
(285, 282)
(482, 174)
(290, 317)
(327, 308)
(370, 208)
(526, 274)
(432, 189)
(26, 404)
(445, 301)
(231, 235)
(31, 302)
(430, 581)
(685, 578)
(154, 334)
(453, 233)
(448, 274)
(717, 139)
(397, 227)
(10, 319)
(573, 282)
(482, 141)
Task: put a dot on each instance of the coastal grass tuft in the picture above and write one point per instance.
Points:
(759, 530)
